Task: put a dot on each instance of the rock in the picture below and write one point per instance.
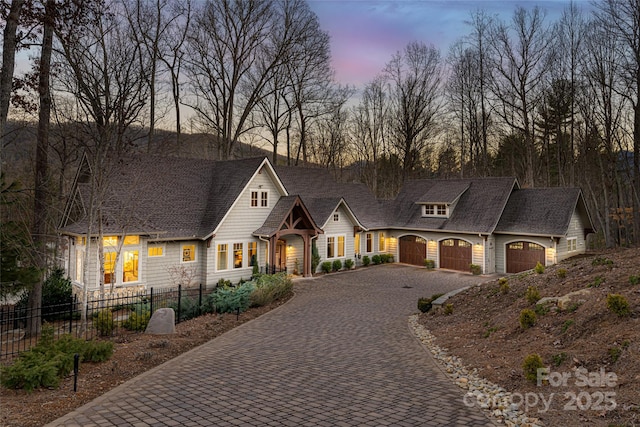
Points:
(162, 322)
(576, 297)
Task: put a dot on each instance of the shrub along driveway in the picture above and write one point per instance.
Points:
(340, 353)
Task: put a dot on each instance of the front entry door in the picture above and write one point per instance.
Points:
(281, 255)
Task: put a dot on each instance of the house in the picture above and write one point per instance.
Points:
(165, 221)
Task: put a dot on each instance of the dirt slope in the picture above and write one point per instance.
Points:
(580, 340)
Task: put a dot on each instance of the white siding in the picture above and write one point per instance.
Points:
(575, 230)
(342, 227)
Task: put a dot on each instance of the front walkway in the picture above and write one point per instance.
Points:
(340, 353)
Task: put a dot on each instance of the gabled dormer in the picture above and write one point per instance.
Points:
(441, 199)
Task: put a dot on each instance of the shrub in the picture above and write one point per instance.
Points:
(366, 260)
(326, 267)
(532, 295)
(270, 288)
(530, 366)
(541, 309)
(489, 331)
(104, 322)
(430, 264)
(614, 353)
(425, 304)
(336, 265)
(448, 309)
(558, 359)
(230, 299)
(504, 285)
(389, 258)
(561, 273)
(189, 308)
(597, 281)
(56, 295)
(634, 279)
(48, 361)
(527, 318)
(539, 268)
(376, 259)
(348, 264)
(137, 321)
(618, 304)
(315, 257)
(602, 261)
(384, 258)
(475, 269)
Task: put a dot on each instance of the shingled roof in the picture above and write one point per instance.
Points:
(321, 194)
(170, 197)
(541, 211)
(444, 194)
(478, 209)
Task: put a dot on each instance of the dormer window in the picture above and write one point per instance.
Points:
(435, 210)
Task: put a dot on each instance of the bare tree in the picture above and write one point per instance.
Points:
(622, 17)
(9, 44)
(414, 77)
(519, 53)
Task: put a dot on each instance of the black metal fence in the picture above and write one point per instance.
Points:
(103, 316)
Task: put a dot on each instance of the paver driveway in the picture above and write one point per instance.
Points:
(338, 354)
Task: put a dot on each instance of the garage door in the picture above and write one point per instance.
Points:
(455, 254)
(523, 256)
(413, 250)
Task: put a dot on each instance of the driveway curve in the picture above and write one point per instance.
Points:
(340, 353)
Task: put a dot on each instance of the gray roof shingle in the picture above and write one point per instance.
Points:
(539, 211)
(477, 210)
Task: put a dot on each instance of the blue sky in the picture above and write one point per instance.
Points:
(366, 33)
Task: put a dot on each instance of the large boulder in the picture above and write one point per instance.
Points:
(162, 322)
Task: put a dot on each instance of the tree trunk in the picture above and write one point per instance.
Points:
(8, 62)
(41, 172)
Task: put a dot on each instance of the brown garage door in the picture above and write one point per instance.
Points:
(455, 254)
(523, 256)
(413, 250)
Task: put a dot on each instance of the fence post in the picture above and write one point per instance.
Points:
(200, 301)
(179, 302)
(71, 300)
(151, 303)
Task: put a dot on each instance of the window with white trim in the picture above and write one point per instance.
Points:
(222, 256)
(369, 242)
(121, 269)
(155, 250)
(335, 246)
(336, 217)
(252, 253)
(237, 255)
(435, 210)
(188, 253)
(259, 198)
(381, 242)
(572, 244)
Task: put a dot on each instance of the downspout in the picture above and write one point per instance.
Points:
(267, 242)
(484, 255)
(311, 251)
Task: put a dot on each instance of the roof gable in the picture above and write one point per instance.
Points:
(541, 211)
(446, 193)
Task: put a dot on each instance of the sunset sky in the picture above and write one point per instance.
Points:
(366, 33)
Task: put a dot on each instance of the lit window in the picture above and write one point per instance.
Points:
(222, 256)
(516, 245)
(110, 241)
(254, 199)
(252, 252)
(130, 266)
(572, 244)
(356, 244)
(448, 242)
(132, 240)
(188, 253)
(156, 250)
(331, 247)
(369, 242)
(79, 265)
(264, 199)
(464, 244)
(340, 246)
(237, 255)
(381, 242)
(109, 267)
(336, 217)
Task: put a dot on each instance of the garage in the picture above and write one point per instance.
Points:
(455, 254)
(523, 256)
(413, 250)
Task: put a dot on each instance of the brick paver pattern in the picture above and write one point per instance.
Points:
(340, 353)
